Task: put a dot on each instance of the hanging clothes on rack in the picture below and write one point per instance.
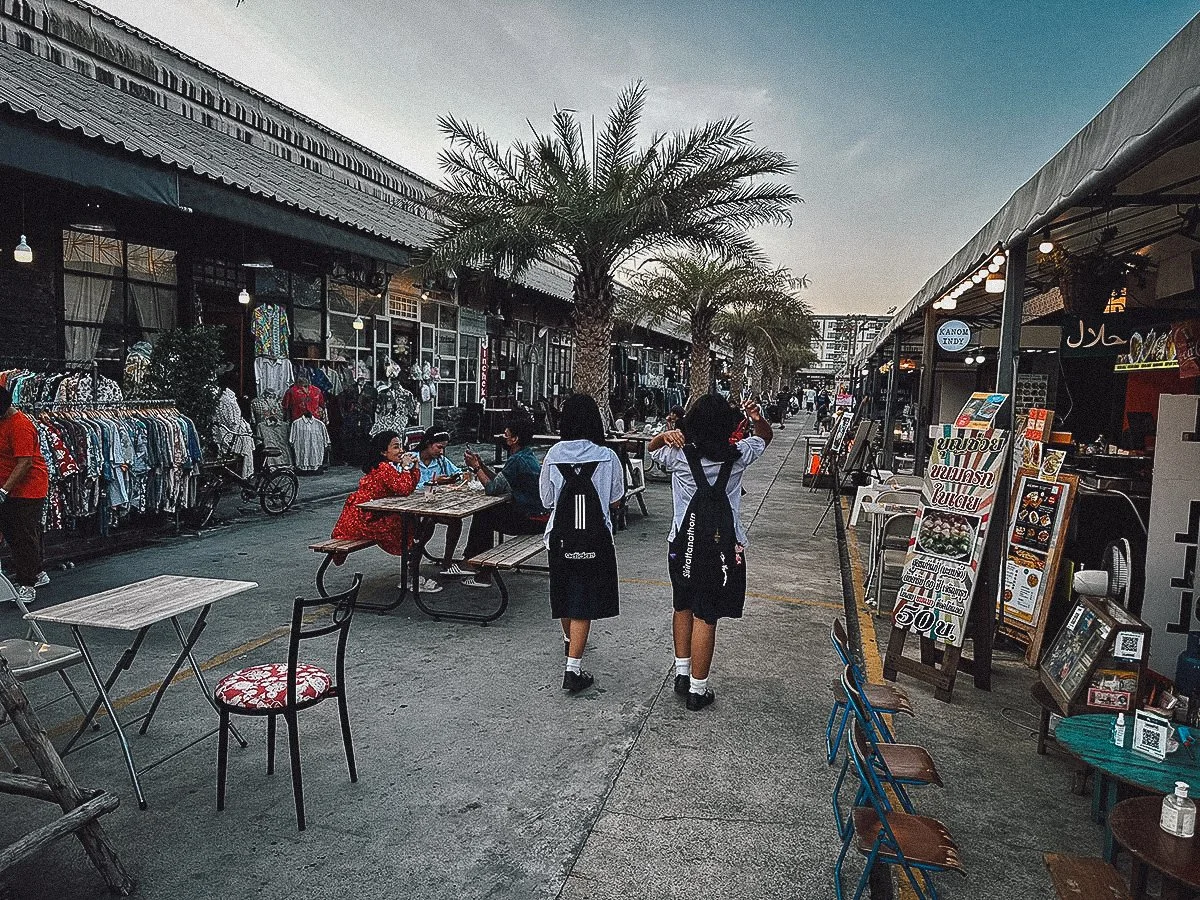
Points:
(88, 388)
(302, 398)
(310, 440)
(274, 375)
(271, 430)
(269, 325)
(137, 364)
(233, 432)
(395, 407)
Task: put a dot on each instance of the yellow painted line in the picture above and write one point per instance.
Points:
(824, 604)
(874, 663)
(866, 625)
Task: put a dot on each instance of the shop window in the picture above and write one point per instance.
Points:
(468, 370)
(115, 294)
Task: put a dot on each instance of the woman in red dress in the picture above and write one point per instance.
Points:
(390, 472)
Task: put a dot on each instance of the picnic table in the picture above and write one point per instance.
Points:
(446, 505)
(137, 608)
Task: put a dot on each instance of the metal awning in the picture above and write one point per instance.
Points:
(1145, 142)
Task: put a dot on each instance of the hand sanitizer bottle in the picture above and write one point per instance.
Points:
(1178, 812)
(1119, 730)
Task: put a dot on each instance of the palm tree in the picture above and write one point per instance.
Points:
(778, 328)
(695, 288)
(551, 200)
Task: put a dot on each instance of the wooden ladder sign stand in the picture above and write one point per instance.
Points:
(81, 807)
(945, 553)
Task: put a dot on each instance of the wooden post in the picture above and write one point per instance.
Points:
(889, 406)
(925, 399)
(61, 786)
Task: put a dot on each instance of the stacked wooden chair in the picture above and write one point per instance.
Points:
(882, 823)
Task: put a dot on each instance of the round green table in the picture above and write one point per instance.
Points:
(1089, 738)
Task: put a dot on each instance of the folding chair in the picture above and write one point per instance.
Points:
(29, 659)
(918, 844)
(899, 765)
(881, 699)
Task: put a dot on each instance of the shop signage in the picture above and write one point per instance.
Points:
(1169, 607)
(1040, 509)
(953, 335)
(483, 370)
(980, 410)
(472, 323)
(951, 525)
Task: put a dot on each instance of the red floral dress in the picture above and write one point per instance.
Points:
(385, 480)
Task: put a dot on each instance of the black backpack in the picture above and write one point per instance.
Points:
(702, 557)
(579, 536)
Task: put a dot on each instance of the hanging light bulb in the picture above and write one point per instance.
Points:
(23, 252)
(1047, 245)
(965, 285)
(993, 267)
(950, 303)
(357, 323)
(999, 258)
(976, 278)
(980, 359)
(994, 283)
(244, 297)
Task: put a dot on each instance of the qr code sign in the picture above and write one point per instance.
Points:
(1152, 739)
(1128, 645)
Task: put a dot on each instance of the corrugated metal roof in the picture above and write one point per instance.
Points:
(33, 86)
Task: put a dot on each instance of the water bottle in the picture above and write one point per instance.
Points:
(1120, 731)
(1178, 812)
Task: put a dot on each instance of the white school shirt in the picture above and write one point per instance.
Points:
(608, 477)
(683, 486)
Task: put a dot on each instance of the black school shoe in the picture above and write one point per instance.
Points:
(577, 681)
(699, 701)
(683, 684)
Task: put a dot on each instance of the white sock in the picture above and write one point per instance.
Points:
(699, 685)
(574, 665)
(683, 665)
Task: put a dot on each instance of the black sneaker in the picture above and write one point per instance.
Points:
(576, 681)
(682, 684)
(699, 701)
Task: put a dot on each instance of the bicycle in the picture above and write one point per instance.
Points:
(276, 489)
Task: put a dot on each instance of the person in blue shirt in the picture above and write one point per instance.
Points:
(519, 477)
(436, 468)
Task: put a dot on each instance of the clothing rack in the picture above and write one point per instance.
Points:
(102, 404)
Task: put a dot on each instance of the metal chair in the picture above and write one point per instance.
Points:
(277, 689)
(918, 844)
(900, 765)
(893, 549)
(34, 656)
(881, 699)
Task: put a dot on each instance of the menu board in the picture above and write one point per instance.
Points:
(951, 525)
(980, 410)
(1038, 503)
(1040, 509)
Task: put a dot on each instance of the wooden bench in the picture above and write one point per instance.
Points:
(1085, 878)
(510, 556)
(336, 550)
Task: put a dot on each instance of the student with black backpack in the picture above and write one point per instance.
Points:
(581, 479)
(706, 553)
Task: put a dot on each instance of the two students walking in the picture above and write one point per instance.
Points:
(581, 480)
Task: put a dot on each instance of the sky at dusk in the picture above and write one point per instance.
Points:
(910, 124)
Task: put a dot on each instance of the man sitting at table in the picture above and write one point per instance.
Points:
(437, 469)
(519, 477)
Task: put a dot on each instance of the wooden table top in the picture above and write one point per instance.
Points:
(1134, 825)
(456, 503)
(134, 606)
(1089, 737)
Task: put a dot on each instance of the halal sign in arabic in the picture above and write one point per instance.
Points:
(953, 335)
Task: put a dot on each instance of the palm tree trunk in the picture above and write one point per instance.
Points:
(593, 340)
(700, 382)
(739, 367)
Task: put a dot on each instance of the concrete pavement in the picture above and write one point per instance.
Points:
(480, 778)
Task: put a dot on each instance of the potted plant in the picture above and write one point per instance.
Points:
(1089, 278)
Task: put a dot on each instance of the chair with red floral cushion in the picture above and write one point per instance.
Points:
(283, 689)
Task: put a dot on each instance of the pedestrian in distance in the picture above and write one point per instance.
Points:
(388, 472)
(581, 481)
(24, 482)
(707, 543)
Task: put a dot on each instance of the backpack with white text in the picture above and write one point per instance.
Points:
(703, 557)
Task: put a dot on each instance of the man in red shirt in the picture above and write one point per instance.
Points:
(24, 482)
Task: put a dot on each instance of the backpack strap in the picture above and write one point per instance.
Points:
(698, 475)
(569, 473)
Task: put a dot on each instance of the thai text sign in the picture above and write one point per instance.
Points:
(948, 536)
